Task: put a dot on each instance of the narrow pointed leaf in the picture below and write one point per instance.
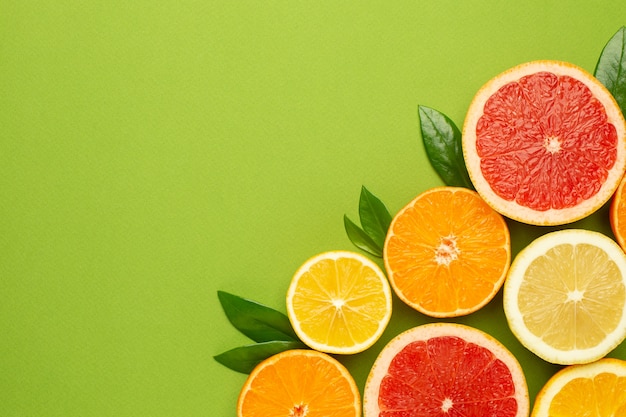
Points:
(374, 216)
(442, 141)
(611, 67)
(360, 239)
(257, 321)
(244, 358)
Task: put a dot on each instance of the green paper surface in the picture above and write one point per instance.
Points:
(153, 153)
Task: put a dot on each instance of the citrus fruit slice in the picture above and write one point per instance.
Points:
(565, 296)
(445, 369)
(544, 143)
(299, 383)
(447, 252)
(597, 389)
(617, 214)
(339, 302)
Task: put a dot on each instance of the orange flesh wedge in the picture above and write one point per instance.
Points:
(617, 214)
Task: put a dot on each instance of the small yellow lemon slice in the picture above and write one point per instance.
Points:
(339, 302)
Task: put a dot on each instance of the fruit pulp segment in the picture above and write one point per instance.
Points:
(340, 303)
(572, 296)
(545, 142)
(618, 223)
(605, 394)
(447, 376)
(295, 384)
(448, 251)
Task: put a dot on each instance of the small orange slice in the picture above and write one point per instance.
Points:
(299, 383)
(597, 389)
(447, 252)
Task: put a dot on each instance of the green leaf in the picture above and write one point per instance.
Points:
(442, 141)
(257, 321)
(611, 67)
(243, 359)
(374, 216)
(360, 239)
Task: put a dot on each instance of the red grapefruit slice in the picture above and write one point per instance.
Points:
(445, 369)
(545, 143)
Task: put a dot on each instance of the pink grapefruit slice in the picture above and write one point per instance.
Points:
(445, 369)
(545, 143)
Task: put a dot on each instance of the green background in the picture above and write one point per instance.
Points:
(154, 152)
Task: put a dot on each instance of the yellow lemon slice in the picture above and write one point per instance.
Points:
(339, 302)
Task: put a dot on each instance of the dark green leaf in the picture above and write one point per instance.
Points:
(375, 217)
(257, 321)
(442, 141)
(611, 67)
(360, 239)
(243, 359)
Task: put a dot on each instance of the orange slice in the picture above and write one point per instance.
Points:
(339, 302)
(445, 369)
(597, 389)
(545, 143)
(299, 383)
(447, 252)
(617, 214)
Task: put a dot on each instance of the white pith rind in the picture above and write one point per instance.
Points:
(516, 276)
(323, 347)
(511, 209)
(428, 331)
(560, 379)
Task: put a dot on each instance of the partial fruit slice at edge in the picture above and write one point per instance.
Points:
(565, 296)
(545, 143)
(617, 214)
(299, 383)
(339, 302)
(447, 252)
(597, 389)
(445, 369)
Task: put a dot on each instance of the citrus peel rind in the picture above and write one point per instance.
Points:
(565, 296)
(538, 147)
(339, 302)
(470, 371)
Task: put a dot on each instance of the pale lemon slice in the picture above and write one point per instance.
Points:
(565, 296)
(597, 389)
(339, 302)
